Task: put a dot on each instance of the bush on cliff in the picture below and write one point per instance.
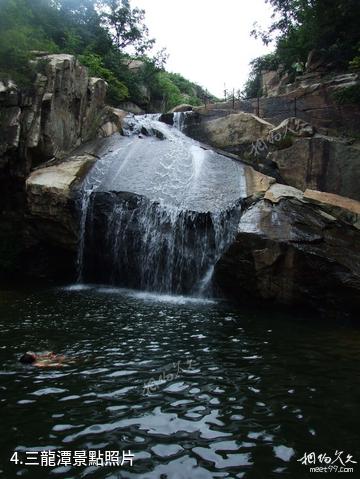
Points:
(348, 95)
(105, 34)
(117, 90)
(328, 26)
(18, 36)
(299, 26)
(253, 87)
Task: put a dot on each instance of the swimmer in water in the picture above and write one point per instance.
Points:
(44, 360)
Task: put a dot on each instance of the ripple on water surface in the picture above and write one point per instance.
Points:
(194, 388)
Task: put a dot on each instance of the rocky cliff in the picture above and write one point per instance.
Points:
(302, 134)
(291, 248)
(325, 101)
(298, 249)
(297, 242)
(294, 245)
(63, 108)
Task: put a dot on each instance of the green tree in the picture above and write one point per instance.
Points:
(19, 34)
(299, 26)
(253, 87)
(106, 35)
(126, 26)
(117, 91)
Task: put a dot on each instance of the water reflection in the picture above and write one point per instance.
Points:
(232, 393)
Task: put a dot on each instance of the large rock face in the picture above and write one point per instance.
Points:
(232, 132)
(311, 98)
(63, 109)
(50, 200)
(292, 151)
(51, 230)
(291, 248)
(226, 128)
(292, 252)
(321, 163)
(70, 101)
(314, 100)
(181, 108)
(345, 209)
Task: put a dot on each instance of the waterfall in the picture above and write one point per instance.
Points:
(158, 210)
(179, 119)
(91, 183)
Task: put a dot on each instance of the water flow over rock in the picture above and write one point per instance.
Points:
(158, 210)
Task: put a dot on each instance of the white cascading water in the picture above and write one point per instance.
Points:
(158, 210)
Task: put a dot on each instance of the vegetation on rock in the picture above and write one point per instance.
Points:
(253, 86)
(348, 95)
(106, 36)
(300, 26)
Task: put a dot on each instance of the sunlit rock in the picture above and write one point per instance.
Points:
(50, 202)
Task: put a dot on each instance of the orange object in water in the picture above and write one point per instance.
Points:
(44, 360)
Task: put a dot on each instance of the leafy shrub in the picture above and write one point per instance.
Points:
(15, 55)
(348, 95)
(117, 91)
(252, 87)
(170, 92)
(15, 65)
(80, 28)
(355, 62)
(173, 89)
(285, 142)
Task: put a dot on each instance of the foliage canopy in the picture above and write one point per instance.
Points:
(106, 36)
(330, 27)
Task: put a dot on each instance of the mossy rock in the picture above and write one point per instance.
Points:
(348, 95)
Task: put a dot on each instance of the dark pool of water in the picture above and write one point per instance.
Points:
(193, 389)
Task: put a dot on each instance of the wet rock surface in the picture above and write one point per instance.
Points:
(292, 152)
(285, 246)
(289, 244)
(63, 108)
(292, 253)
(137, 243)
